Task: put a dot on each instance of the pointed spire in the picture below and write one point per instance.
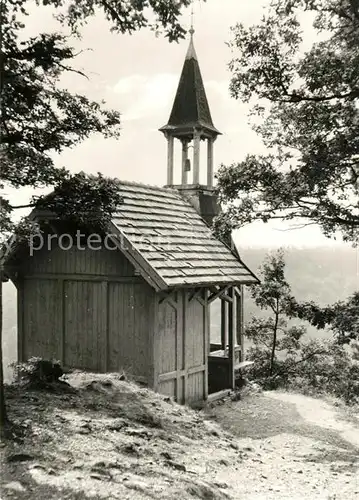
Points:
(190, 108)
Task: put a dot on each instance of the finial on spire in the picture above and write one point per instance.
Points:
(192, 16)
(191, 53)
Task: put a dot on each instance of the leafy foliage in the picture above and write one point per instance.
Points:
(84, 200)
(342, 317)
(333, 371)
(283, 358)
(306, 108)
(38, 116)
(125, 16)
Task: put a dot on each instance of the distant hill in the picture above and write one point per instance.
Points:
(322, 274)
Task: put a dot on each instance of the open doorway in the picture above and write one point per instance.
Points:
(225, 338)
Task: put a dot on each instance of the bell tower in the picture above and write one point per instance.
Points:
(190, 122)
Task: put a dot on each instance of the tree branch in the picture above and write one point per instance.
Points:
(15, 207)
(296, 98)
(67, 68)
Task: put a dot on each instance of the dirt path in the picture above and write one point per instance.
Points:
(322, 414)
(301, 447)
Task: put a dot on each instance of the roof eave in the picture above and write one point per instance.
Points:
(178, 130)
(209, 284)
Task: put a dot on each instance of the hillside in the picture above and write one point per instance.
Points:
(106, 438)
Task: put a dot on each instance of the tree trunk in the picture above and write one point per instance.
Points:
(275, 330)
(3, 414)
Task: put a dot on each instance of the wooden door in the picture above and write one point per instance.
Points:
(181, 347)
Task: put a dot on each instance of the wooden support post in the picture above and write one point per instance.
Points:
(240, 322)
(185, 345)
(61, 304)
(206, 328)
(20, 321)
(155, 341)
(170, 152)
(106, 326)
(196, 153)
(180, 348)
(238, 325)
(223, 324)
(184, 162)
(231, 340)
(210, 142)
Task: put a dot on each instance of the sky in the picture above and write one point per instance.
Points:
(138, 76)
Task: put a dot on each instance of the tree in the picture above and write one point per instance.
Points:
(39, 117)
(273, 294)
(305, 105)
(283, 357)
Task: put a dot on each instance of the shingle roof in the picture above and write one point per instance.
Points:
(170, 242)
(190, 108)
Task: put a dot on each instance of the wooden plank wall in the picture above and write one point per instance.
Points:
(100, 320)
(130, 326)
(181, 346)
(84, 342)
(86, 262)
(41, 319)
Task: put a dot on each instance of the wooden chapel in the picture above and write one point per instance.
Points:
(143, 303)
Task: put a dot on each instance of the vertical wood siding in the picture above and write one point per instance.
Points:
(195, 387)
(88, 309)
(85, 325)
(181, 347)
(195, 334)
(167, 322)
(196, 352)
(100, 262)
(91, 325)
(169, 388)
(41, 319)
(130, 318)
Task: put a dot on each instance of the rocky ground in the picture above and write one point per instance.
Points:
(107, 438)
